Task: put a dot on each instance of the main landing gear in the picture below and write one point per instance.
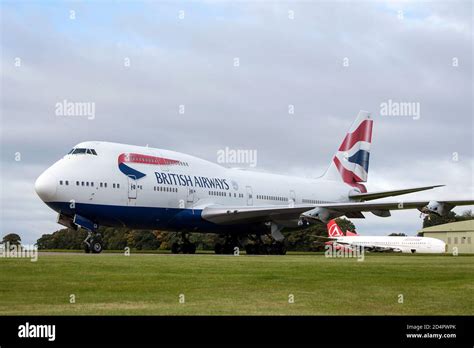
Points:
(269, 243)
(93, 243)
(259, 246)
(230, 245)
(184, 246)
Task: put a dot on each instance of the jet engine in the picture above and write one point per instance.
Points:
(438, 208)
(381, 213)
(321, 214)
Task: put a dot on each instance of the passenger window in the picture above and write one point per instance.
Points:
(92, 184)
(67, 183)
(118, 185)
(105, 184)
(113, 185)
(87, 183)
(60, 182)
(82, 183)
(77, 183)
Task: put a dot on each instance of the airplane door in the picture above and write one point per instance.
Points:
(249, 195)
(132, 189)
(292, 197)
(191, 199)
(191, 196)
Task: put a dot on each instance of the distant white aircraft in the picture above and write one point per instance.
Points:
(424, 245)
(109, 184)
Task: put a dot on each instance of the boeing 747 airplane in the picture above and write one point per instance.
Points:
(108, 184)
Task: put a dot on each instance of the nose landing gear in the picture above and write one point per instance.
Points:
(93, 243)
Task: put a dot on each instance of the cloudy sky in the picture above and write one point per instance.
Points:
(139, 61)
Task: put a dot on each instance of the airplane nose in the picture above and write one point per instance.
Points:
(45, 187)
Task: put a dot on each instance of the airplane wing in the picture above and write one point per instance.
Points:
(221, 214)
(371, 206)
(382, 194)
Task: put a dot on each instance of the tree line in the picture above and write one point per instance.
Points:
(120, 238)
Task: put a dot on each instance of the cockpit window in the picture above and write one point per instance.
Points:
(78, 151)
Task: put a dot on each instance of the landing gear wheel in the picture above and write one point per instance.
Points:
(175, 248)
(188, 248)
(279, 248)
(250, 249)
(93, 242)
(228, 249)
(218, 248)
(96, 247)
(192, 248)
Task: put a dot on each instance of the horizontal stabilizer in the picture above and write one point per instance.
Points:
(382, 194)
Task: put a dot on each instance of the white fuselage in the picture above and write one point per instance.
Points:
(170, 194)
(395, 243)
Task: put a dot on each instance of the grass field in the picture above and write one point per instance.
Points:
(253, 285)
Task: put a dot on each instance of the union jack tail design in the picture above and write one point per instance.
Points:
(351, 162)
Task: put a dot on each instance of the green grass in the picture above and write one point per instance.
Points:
(113, 284)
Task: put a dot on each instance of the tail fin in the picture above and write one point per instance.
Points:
(334, 230)
(350, 164)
